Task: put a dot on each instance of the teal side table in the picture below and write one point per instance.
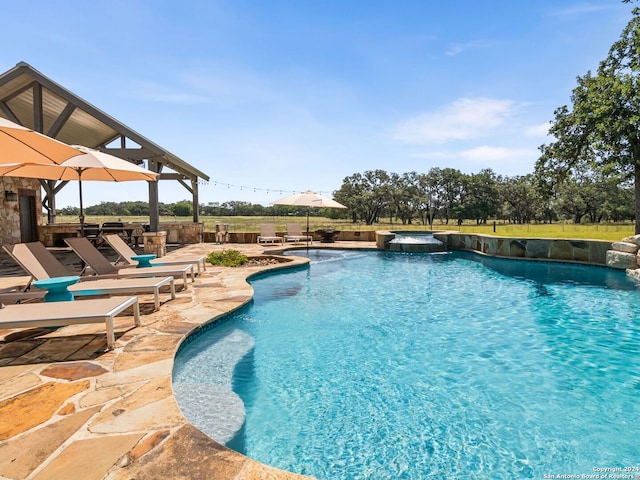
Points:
(56, 288)
(144, 261)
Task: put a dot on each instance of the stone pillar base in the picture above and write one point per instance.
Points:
(155, 242)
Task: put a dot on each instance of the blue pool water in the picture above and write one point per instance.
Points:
(378, 365)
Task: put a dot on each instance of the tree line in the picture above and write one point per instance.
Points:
(131, 209)
(449, 195)
(184, 208)
(446, 195)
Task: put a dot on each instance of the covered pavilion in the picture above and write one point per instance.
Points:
(29, 98)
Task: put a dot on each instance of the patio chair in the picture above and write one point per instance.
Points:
(70, 313)
(125, 252)
(268, 234)
(102, 266)
(40, 263)
(113, 227)
(294, 234)
(92, 232)
(222, 233)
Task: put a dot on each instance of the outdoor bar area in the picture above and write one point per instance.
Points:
(180, 233)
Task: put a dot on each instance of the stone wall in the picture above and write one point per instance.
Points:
(183, 233)
(252, 237)
(53, 235)
(177, 233)
(10, 210)
(356, 236)
(566, 250)
(624, 254)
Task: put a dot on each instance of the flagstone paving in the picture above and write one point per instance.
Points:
(71, 409)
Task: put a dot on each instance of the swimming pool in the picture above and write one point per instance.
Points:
(385, 365)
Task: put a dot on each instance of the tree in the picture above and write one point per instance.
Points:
(183, 209)
(575, 197)
(618, 203)
(602, 127)
(450, 187)
(366, 195)
(431, 195)
(404, 195)
(520, 198)
(481, 200)
(75, 211)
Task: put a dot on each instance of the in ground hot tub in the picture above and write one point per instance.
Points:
(415, 241)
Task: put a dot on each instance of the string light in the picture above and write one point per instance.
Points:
(267, 190)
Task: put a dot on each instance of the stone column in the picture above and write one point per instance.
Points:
(155, 242)
(383, 238)
(622, 255)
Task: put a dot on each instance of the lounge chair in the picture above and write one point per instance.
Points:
(103, 267)
(69, 313)
(294, 234)
(125, 252)
(125, 286)
(19, 296)
(40, 263)
(268, 234)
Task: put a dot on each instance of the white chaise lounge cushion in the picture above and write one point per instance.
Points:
(58, 314)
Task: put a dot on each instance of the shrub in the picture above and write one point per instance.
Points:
(227, 258)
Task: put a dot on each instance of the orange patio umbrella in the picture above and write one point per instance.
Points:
(88, 164)
(19, 144)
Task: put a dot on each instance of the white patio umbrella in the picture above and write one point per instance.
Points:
(308, 199)
(19, 144)
(87, 165)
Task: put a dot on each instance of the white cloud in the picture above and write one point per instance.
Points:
(433, 155)
(485, 153)
(463, 119)
(502, 160)
(458, 48)
(541, 130)
(222, 85)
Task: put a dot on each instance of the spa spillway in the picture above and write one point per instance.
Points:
(415, 242)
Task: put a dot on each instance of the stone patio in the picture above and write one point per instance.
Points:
(71, 409)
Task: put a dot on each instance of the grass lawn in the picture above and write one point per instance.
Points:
(611, 231)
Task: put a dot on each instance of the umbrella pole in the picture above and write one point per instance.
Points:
(308, 208)
(81, 209)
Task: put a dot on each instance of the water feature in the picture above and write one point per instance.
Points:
(416, 242)
(453, 365)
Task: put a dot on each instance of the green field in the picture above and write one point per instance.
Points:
(612, 231)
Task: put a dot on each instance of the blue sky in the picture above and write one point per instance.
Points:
(278, 96)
